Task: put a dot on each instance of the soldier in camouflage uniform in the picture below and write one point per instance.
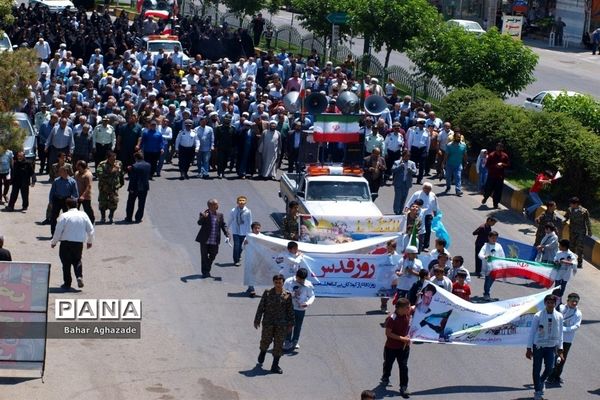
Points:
(547, 217)
(579, 227)
(277, 314)
(110, 179)
(290, 221)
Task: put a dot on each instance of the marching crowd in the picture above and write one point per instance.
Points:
(101, 99)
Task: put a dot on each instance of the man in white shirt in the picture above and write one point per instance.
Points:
(545, 337)
(72, 229)
(42, 49)
(240, 221)
(418, 142)
(430, 209)
(288, 262)
(187, 144)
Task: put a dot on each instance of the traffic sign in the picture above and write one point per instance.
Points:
(337, 18)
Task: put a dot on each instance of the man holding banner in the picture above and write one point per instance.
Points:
(545, 337)
(397, 345)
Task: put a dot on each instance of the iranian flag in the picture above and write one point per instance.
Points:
(336, 128)
(543, 274)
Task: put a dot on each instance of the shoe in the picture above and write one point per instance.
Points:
(110, 220)
(580, 266)
(383, 309)
(128, 220)
(459, 193)
(446, 190)
(10, 209)
(80, 282)
(524, 212)
(483, 201)
(275, 366)
(296, 346)
(252, 294)
(486, 297)
(24, 209)
(205, 176)
(137, 221)
(45, 222)
(287, 345)
(425, 250)
(404, 393)
(102, 220)
(181, 178)
(385, 381)
(187, 176)
(261, 357)
(207, 275)
(237, 264)
(65, 287)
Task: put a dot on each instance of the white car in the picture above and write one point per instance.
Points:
(153, 43)
(53, 5)
(469, 26)
(5, 44)
(537, 102)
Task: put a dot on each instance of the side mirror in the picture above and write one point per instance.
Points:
(374, 196)
(300, 194)
(528, 99)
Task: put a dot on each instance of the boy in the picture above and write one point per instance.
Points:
(397, 345)
(566, 261)
(255, 229)
(487, 251)
(457, 266)
(460, 288)
(409, 272)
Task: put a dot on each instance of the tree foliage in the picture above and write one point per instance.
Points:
(17, 75)
(462, 59)
(394, 24)
(244, 7)
(457, 100)
(313, 15)
(583, 108)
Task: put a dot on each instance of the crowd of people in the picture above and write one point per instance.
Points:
(102, 99)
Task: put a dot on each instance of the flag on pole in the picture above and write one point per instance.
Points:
(167, 30)
(543, 274)
(336, 128)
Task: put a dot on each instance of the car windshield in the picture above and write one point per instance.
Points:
(471, 26)
(169, 47)
(4, 43)
(337, 191)
(23, 124)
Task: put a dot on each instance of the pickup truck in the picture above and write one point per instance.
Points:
(329, 191)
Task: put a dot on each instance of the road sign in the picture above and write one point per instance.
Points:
(337, 18)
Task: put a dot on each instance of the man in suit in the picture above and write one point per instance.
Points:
(139, 184)
(211, 223)
(403, 171)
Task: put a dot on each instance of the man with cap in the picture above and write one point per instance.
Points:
(104, 139)
(187, 145)
(408, 273)
(224, 137)
(270, 147)
(579, 227)
(394, 143)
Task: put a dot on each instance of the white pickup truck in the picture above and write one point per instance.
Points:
(329, 191)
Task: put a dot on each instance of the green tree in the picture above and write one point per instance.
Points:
(458, 100)
(461, 59)
(583, 108)
(394, 25)
(313, 16)
(244, 7)
(17, 75)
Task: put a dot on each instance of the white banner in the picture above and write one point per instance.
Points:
(441, 317)
(336, 229)
(265, 256)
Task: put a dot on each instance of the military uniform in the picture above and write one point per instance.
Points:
(290, 227)
(277, 314)
(110, 179)
(547, 218)
(579, 227)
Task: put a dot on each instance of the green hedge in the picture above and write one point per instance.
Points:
(534, 140)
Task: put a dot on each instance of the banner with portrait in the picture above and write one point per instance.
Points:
(441, 317)
(338, 229)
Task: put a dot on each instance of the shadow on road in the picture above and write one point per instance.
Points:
(14, 381)
(596, 392)
(256, 371)
(381, 391)
(590, 322)
(187, 278)
(468, 389)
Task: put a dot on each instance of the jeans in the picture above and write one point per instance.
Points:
(487, 285)
(454, 172)
(161, 158)
(561, 292)
(238, 241)
(204, 162)
(537, 202)
(558, 368)
(548, 355)
(399, 355)
(483, 173)
(427, 235)
(294, 336)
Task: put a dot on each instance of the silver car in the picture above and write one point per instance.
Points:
(29, 144)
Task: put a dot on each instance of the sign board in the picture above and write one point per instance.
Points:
(512, 25)
(23, 318)
(337, 18)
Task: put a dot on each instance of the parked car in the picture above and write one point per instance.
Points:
(5, 44)
(537, 102)
(469, 26)
(29, 144)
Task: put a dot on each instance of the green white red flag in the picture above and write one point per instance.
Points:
(338, 128)
(544, 274)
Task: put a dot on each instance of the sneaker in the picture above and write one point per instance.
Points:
(447, 190)
(404, 392)
(459, 193)
(80, 282)
(524, 212)
(296, 346)
(383, 309)
(486, 297)
(237, 264)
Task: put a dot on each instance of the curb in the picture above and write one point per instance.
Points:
(514, 199)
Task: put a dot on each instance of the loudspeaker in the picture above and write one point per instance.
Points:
(315, 104)
(347, 102)
(375, 105)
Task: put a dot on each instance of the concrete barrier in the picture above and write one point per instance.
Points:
(515, 198)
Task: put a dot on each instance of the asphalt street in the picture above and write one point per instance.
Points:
(197, 336)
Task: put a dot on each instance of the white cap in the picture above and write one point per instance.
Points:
(411, 250)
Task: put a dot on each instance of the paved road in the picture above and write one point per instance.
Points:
(571, 69)
(198, 341)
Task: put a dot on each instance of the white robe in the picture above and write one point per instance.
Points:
(270, 150)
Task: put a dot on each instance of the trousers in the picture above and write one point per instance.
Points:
(70, 255)
(547, 355)
(294, 336)
(401, 357)
(208, 253)
(275, 334)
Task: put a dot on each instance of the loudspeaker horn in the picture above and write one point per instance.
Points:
(347, 102)
(292, 102)
(375, 105)
(316, 103)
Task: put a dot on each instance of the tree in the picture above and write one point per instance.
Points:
(394, 24)
(461, 59)
(583, 108)
(458, 100)
(17, 76)
(313, 16)
(244, 7)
